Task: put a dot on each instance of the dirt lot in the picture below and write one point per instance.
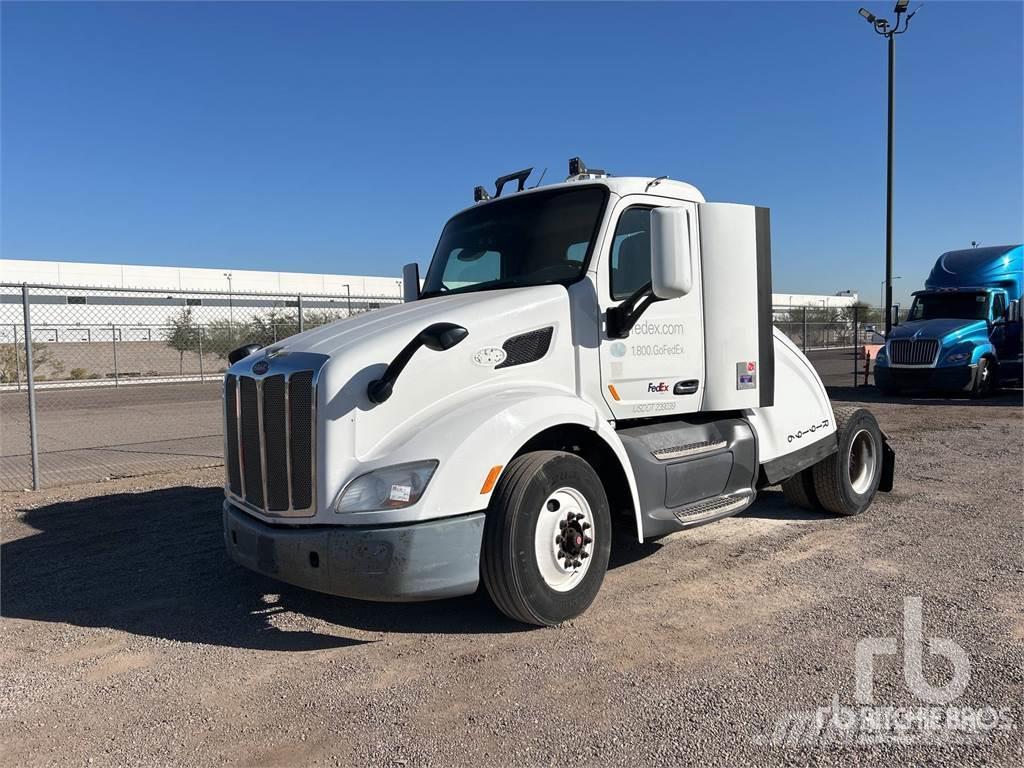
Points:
(130, 639)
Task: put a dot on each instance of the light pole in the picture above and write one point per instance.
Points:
(348, 298)
(231, 310)
(881, 290)
(883, 28)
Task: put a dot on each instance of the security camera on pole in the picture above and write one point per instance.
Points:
(883, 28)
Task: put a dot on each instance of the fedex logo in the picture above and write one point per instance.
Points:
(661, 386)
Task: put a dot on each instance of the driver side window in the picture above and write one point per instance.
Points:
(631, 252)
(998, 307)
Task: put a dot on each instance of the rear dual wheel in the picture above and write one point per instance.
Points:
(547, 537)
(844, 483)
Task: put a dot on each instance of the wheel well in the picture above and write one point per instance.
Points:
(585, 443)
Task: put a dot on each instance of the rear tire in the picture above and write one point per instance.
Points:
(846, 481)
(799, 490)
(547, 504)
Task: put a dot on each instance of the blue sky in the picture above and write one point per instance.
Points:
(339, 137)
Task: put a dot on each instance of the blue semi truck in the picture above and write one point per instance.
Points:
(963, 331)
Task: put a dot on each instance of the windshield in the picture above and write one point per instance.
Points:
(961, 306)
(535, 239)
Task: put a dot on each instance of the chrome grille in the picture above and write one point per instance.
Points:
(913, 351)
(269, 433)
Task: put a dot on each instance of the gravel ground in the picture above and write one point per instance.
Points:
(129, 638)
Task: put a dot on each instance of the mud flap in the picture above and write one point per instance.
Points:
(888, 466)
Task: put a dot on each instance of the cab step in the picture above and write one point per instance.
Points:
(709, 510)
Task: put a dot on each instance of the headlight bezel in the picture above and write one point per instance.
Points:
(382, 489)
(955, 357)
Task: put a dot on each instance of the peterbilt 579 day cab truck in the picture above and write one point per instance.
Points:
(963, 331)
(596, 347)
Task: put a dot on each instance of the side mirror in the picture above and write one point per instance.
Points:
(242, 352)
(410, 282)
(1013, 311)
(895, 315)
(671, 258)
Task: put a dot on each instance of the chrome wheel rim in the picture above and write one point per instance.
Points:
(863, 458)
(564, 539)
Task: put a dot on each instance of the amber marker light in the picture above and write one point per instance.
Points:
(491, 479)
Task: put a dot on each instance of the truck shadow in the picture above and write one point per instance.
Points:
(154, 564)
(1008, 397)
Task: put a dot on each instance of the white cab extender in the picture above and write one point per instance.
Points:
(592, 351)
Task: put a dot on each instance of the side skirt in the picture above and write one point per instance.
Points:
(784, 467)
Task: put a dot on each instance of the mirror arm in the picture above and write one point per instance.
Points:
(379, 390)
(439, 337)
(621, 319)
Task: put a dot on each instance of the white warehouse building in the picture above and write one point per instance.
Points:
(127, 302)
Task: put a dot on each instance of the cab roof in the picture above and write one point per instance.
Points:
(618, 185)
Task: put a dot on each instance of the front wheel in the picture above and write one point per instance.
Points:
(984, 378)
(547, 537)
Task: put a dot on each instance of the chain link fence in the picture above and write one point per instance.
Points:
(127, 382)
(839, 341)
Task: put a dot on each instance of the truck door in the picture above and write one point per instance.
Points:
(658, 370)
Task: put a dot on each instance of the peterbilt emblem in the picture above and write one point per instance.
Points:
(488, 357)
(260, 367)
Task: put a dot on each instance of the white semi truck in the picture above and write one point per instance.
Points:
(598, 347)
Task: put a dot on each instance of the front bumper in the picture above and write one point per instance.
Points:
(958, 378)
(419, 561)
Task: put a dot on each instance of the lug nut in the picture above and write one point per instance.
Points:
(586, 526)
(562, 524)
(584, 555)
(558, 539)
(587, 540)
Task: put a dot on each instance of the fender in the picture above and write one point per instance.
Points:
(471, 436)
(980, 350)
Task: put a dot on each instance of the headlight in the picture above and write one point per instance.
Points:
(958, 357)
(881, 354)
(389, 488)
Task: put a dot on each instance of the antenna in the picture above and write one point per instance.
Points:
(540, 179)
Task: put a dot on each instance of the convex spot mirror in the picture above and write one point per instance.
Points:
(671, 257)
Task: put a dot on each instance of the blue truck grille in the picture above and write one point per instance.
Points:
(913, 351)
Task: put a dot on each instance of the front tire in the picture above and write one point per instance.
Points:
(846, 481)
(547, 537)
(984, 378)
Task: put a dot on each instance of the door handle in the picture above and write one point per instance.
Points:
(687, 387)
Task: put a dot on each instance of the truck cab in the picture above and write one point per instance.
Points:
(595, 349)
(963, 331)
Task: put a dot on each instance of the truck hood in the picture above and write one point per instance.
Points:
(405, 320)
(353, 434)
(947, 330)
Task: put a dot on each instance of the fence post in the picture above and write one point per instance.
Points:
(113, 340)
(31, 380)
(201, 375)
(856, 344)
(803, 333)
(301, 324)
(17, 357)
